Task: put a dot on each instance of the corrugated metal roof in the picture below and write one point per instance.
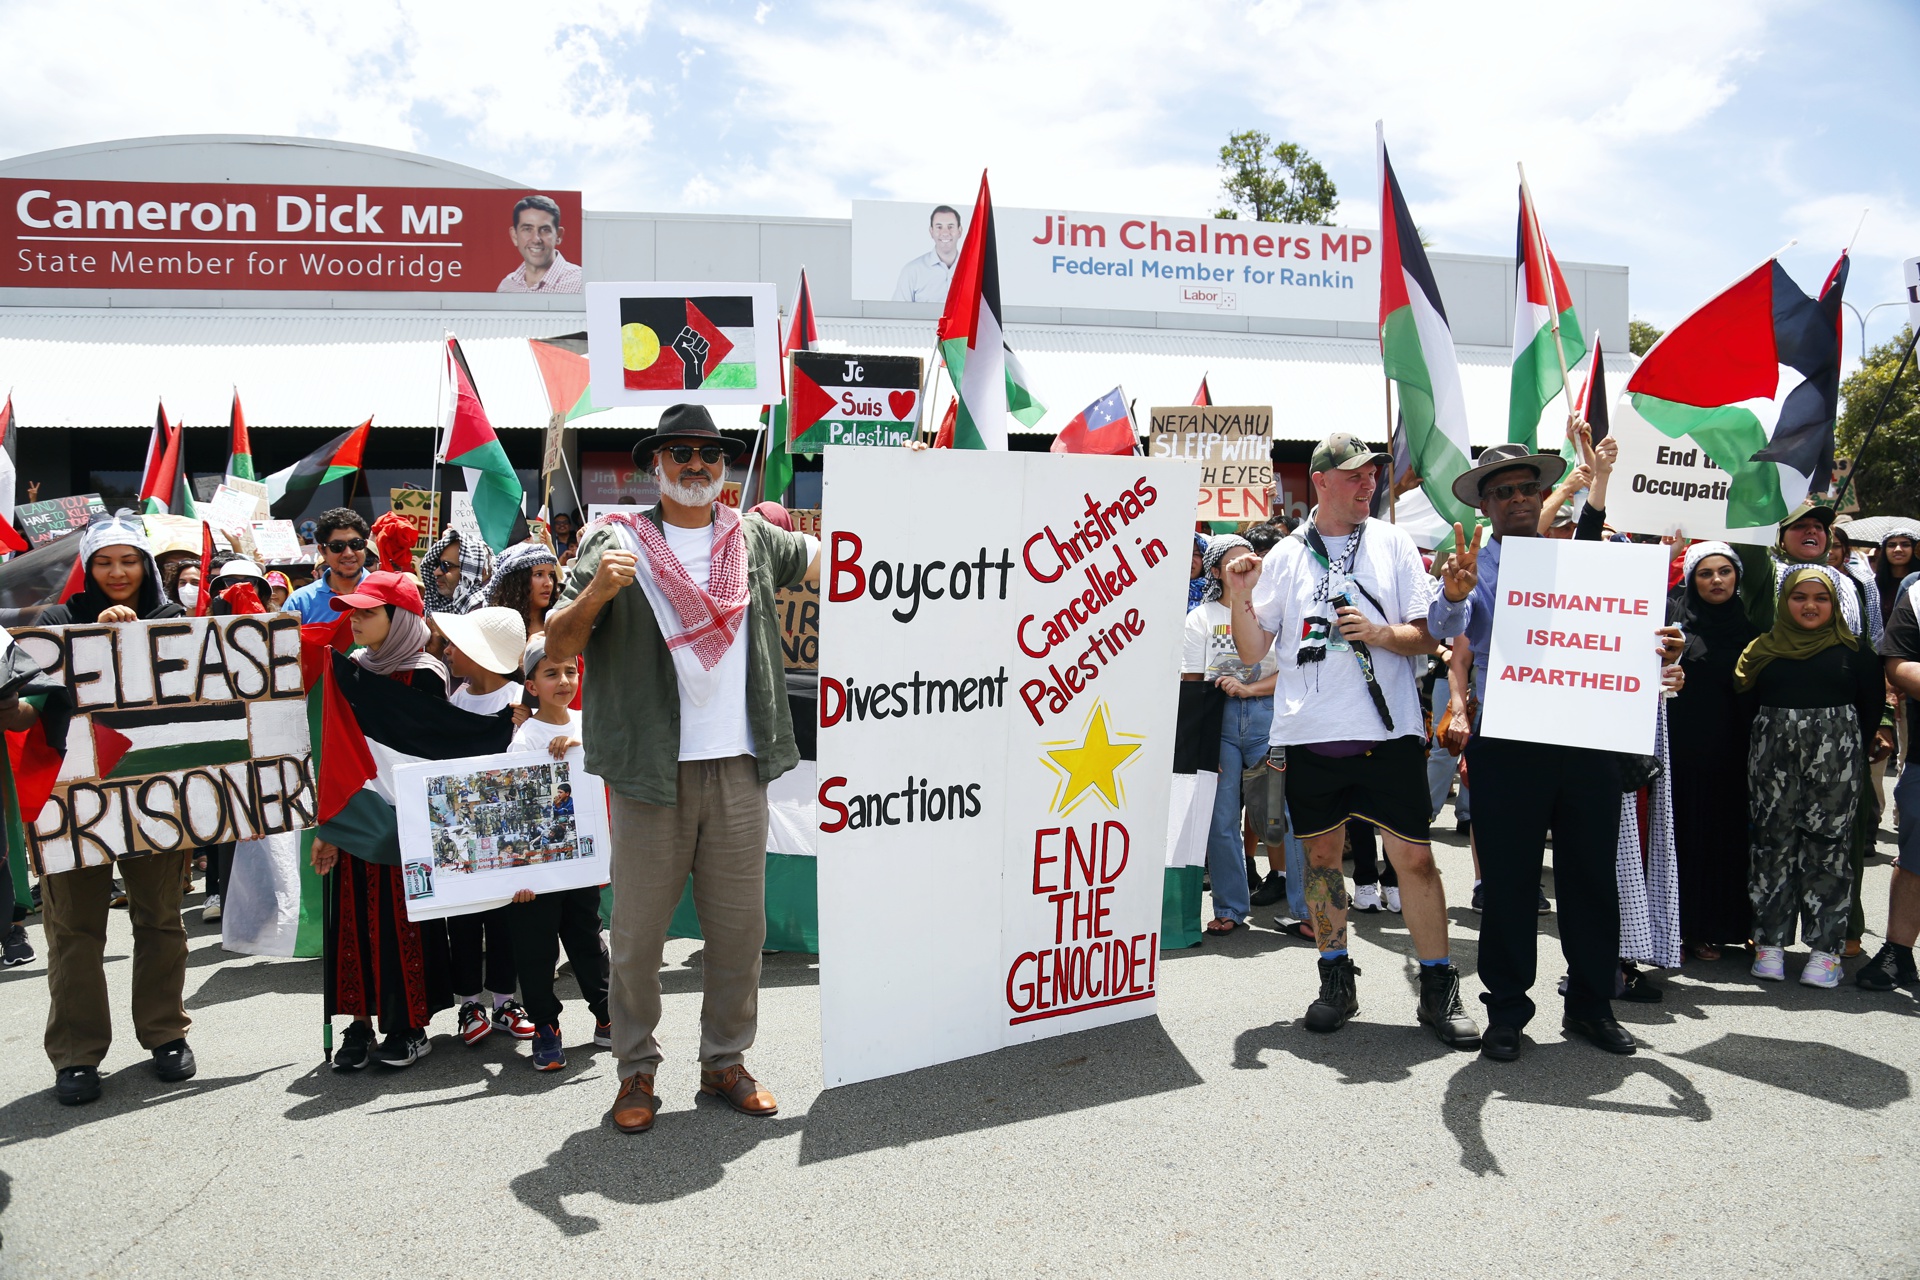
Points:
(79, 368)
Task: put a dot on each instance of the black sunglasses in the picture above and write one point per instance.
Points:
(683, 453)
(356, 544)
(1503, 492)
(441, 566)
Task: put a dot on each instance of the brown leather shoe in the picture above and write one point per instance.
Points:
(635, 1106)
(739, 1090)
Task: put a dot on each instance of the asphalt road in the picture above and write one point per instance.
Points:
(1767, 1130)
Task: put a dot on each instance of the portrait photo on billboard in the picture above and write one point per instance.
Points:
(537, 232)
(925, 277)
(905, 251)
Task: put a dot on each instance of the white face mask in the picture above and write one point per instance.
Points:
(189, 596)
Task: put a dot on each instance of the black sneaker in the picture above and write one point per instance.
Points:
(1337, 1001)
(1464, 826)
(1440, 1007)
(1478, 896)
(356, 1047)
(1545, 908)
(403, 1048)
(76, 1085)
(16, 950)
(1270, 891)
(1890, 967)
(173, 1062)
(117, 897)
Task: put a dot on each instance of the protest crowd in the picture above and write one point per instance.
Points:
(1341, 668)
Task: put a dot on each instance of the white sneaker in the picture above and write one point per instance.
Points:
(1822, 970)
(210, 909)
(1366, 898)
(1770, 963)
(1392, 893)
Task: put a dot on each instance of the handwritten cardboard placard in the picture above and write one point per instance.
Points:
(41, 522)
(188, 732)
(419, 508)
(277, 542)
(1234, 446)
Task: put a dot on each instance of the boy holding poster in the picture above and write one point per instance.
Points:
(543, 923)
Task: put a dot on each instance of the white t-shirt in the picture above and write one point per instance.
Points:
(535, 733)
(486, 704)
(1209, 648)
(719, 729)
(1327, 701)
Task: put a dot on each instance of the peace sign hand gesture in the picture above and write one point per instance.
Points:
(1462, 570)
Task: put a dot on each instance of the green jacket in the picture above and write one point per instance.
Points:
(631, 706)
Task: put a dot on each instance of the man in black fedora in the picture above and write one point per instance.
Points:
(1523, 790)
(685, 716)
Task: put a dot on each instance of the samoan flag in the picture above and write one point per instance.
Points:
(1105, 426)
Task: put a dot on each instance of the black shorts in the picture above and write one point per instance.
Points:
(1387, 786)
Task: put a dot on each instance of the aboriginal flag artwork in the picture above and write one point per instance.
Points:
(687, 344)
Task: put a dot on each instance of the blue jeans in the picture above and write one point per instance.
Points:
(1243, 740)
(1442, 767)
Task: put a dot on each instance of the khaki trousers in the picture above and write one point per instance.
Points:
(74, 906)
(718, 835)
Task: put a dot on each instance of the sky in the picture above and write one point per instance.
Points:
(1686, 141)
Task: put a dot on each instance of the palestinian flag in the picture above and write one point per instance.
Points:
(1544, 327)
(1593, 396)
(563, 375)
(802, 335)
(31, 764)
(240, 449)
(472, 446)
(1753, 378)
(1204, 396)
(1416, 349)
(369, 726)
(988, 383)
(133, 744)
(290, 490)
(9, 447)
(46, 575)
(151, 480)
(687, 344)
(165, 491)
(1196, 776)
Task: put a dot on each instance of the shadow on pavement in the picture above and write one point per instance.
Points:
(1126, 1062)
(1821, 1071)
(683, 1154)
(241, 981)
(493, 1068)
(1562, 1074)
(1361, 1052)
(37, 1115)
(777, 969)
(1690, 992)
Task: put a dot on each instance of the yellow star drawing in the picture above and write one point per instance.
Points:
(1093, 765)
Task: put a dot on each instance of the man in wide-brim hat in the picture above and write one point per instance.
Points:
(685, 717)
(1523, 790)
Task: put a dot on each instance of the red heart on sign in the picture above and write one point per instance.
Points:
(901, 402)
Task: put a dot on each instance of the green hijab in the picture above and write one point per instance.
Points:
(1789, 639)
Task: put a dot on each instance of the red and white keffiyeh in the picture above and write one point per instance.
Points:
(698, 623)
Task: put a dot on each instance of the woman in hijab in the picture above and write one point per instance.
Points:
(375, 959)
(121, 584)
(1893, 563)
(525, 579)
(1819, 692)
(1711, 726)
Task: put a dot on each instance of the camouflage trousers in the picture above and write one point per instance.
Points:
(1805, 777)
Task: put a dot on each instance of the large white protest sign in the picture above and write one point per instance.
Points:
(999, 641)
(474, 831)
(189, 732)
(1574, 658)
(1662, 485)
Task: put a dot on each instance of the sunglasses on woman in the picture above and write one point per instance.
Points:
(683, 453)
(341, 546)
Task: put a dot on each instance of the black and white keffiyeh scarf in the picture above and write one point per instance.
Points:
(1317, 626)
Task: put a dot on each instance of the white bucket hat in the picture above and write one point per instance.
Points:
(494, 637)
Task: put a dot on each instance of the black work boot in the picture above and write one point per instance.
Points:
(1338, 1001)
(1440, 1007)
(1890, 967)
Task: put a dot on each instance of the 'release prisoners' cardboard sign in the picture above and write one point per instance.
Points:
(187, 732)
(999, 641)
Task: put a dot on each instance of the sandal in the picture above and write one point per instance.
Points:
(1220, 926)
(1297, 929)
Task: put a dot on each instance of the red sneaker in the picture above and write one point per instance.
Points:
(512, 1018)
(474, 1026)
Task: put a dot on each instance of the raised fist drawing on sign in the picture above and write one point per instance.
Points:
(693, 353)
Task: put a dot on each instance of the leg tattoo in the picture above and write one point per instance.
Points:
(1327, 895)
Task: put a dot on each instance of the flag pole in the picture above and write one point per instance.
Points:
(1393, 481)
(1545, 263)
(753, 456)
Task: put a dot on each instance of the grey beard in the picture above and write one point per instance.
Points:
(690, 495)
